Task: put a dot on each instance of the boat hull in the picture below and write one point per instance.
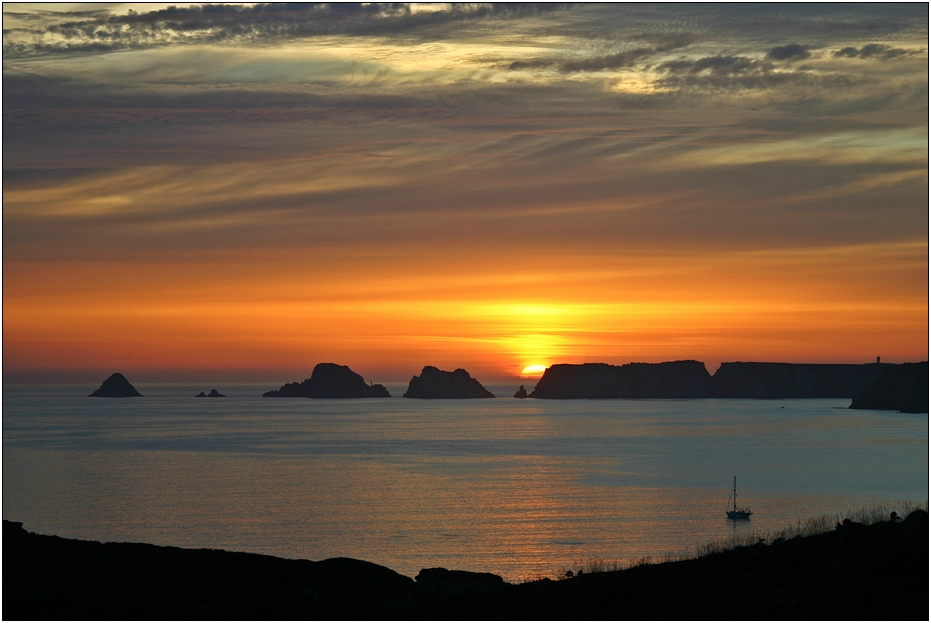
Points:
(738, 514)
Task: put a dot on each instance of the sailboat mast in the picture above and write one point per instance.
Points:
(735, 493)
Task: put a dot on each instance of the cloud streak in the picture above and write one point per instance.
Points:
(261, 23)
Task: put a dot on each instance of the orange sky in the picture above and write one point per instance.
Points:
(470, 198)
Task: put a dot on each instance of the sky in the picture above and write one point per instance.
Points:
(240, 192)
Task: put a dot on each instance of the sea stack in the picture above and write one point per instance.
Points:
(521, 393)
(436, 383)
(116, 386)
(330, 380)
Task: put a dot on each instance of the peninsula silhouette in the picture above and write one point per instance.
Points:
(903, 387)
(690, 379)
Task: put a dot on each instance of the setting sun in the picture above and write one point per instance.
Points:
(533, 371)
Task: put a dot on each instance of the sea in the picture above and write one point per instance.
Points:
(525, 489)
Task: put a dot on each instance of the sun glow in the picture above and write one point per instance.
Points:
(534, 371)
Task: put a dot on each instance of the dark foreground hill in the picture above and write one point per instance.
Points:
(854, 572)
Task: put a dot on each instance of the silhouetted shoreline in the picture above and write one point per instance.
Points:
(854, 572)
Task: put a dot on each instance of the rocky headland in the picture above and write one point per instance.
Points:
(902, 387)
(855, 572)
(436, 383)
(116, 386)
(690, 379)
(674, 379)
(793, 380)
(330, 380)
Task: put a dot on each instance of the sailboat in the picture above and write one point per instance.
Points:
(737, 513)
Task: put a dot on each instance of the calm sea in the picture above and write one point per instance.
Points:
(521, 488)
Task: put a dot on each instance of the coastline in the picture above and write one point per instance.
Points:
(856, 571)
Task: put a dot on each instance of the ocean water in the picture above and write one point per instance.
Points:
(521, 488)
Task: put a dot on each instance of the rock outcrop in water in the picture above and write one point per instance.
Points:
(521, 393)
(674, 379)
(436, 383)
(903, 387)
(793, 380)
(116, 386)
(213, 394)
(330, 380)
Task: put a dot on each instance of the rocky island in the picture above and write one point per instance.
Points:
(330, 380)
(436, 383)
(116, 386)
(902, 387)
(674, 379)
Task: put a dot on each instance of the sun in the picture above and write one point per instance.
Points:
(534, 371)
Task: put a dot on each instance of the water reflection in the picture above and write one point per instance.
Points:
(518, 488)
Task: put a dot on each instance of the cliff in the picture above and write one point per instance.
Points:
(793, 380)
(903, 387)
(674, 379)
(436, 383)
(116, 386)
(329, 380)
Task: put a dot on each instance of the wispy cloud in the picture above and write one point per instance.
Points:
(259, 24)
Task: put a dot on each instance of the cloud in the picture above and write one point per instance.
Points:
(611, 61)
(876, 51)
(619, 60)
(531, 64)
(726, 73)
(791, 52)
(210, 23)
(716, 65)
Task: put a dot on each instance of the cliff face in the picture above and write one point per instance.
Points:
(116, 386)
(330, 380)
(792, 380)
(436, 383)
(674, 379)
(903, 387)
